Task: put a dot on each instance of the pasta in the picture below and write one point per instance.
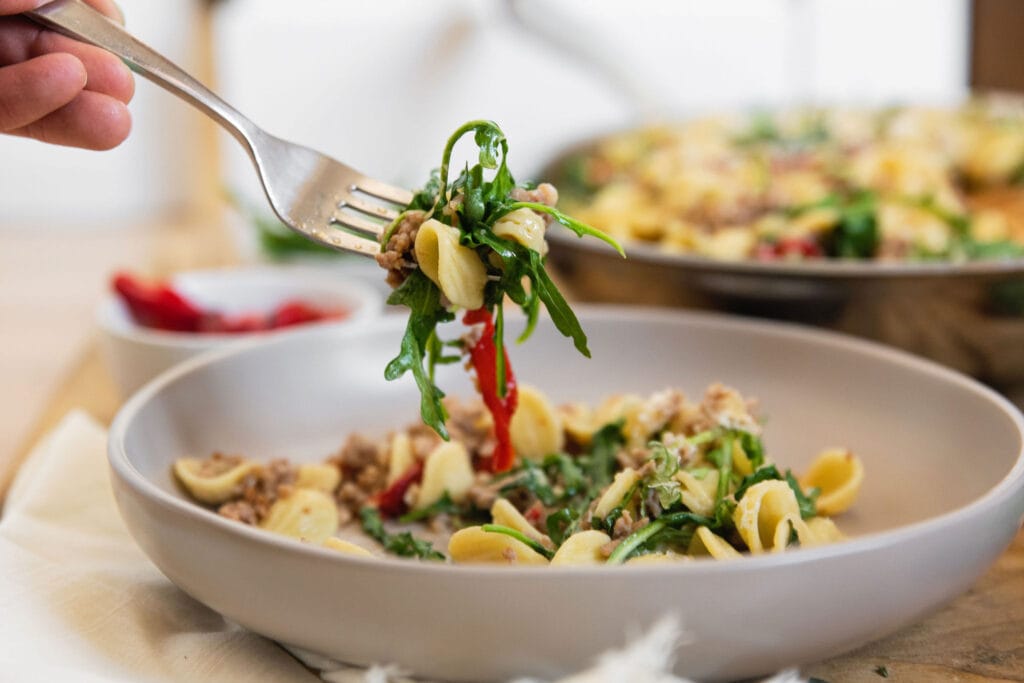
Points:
(305, 514)
(447, 469)
(838, 474)
(524, 227)
(536, 428)
(894, 184)
(456, 269)
(215, 480)
(636, 480)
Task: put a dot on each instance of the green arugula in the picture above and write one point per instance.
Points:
(630, 544)
(604, 446)
(442, 506)
(472, 203)
(806, 501)
(423, 299)
(403, 544)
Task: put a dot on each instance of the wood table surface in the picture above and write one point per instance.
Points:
(978, 637)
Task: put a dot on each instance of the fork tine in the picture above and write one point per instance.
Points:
(339, 239)
(370, 209)
(351, 220)
(389, 193)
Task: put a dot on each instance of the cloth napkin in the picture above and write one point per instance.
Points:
(80, 602)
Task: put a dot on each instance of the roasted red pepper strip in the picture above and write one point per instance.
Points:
(391, 501)
(157, 305)
(484, 357)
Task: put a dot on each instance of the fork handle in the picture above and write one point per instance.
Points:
(80, 21)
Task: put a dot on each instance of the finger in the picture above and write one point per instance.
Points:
(21, 40)
(107, 74)
(18, 6)
(107, 7)
(31, 90)
(91, 120)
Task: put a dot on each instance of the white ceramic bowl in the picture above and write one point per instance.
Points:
(943, 496)
(136, 354)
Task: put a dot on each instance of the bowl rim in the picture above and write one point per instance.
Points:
(1002, 493)
(363, 300)
(829, 269)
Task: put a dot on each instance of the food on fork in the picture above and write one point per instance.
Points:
(633, 479)
(469, 243)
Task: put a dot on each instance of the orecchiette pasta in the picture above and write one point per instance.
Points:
(707, 542)
(400, 456)
(613, 496)
(473, 545)
(215, 480)
(447, 469)
(764, 507)
(455, 269)
(346, 547)
(656, 558)
(306, 514)
(583, 547)
(319, 476)
(506, 514)
(536, 427)
(525, 227)
(837, 474)
(698, 494)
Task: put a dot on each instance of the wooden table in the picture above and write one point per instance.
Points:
(979, 637)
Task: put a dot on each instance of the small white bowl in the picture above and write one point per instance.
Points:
(136, 354)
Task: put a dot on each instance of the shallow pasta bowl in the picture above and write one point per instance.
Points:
(943, 496)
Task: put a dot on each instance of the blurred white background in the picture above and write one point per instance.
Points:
(381, 85)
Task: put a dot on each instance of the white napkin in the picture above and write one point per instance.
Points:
(80, 602)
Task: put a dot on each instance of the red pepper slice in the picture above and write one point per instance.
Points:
(157, 305)
(391, 501)
(483, 356)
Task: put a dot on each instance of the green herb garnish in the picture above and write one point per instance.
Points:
(403, 544)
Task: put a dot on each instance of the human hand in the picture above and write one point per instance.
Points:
(58, 90)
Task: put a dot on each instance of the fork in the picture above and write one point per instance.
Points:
(313, 194)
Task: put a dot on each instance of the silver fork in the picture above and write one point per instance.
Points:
(313, 194)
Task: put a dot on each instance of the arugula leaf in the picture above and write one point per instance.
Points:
(856, 235)
(403, 544)
(568, 473)
(423, 299)
(766, 473)
(753, 448)
(562, 524)
(531, 478)
(666, 464)
(604, 445)
(442, 506)
(992, 251)
(806, 501)
(631, 543)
